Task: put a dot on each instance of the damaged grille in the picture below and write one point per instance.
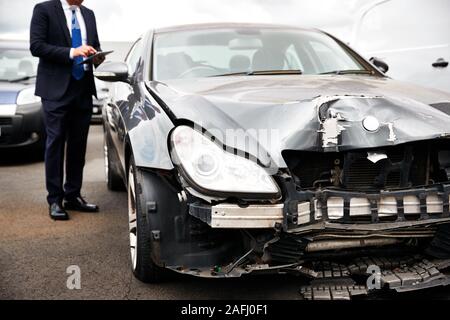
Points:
(410, 165)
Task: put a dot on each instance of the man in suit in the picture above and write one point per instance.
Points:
(62, 34)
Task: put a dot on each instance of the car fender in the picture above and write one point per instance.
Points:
(148, 133)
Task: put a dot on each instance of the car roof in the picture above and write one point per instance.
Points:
(208, 26)
(14, 45)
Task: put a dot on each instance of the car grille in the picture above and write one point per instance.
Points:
(5, 121)
(361, 173)
(409, 165)
(5, 133)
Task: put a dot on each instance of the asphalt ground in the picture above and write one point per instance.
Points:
(36, 252)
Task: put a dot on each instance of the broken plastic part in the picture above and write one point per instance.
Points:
(374, 157)
(331, 130)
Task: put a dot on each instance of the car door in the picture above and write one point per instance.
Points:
(125, 97)
(411, 36)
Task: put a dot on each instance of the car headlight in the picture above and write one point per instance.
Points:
(27, 96)
(215, 171)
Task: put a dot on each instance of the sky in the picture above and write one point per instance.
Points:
(125, 20)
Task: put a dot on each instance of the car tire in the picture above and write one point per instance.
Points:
(143, 266)
(113, 179)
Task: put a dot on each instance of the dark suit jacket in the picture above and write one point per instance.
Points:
(50, 41)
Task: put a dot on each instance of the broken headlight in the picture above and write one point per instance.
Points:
(212, 170)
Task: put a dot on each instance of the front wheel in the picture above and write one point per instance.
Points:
(142, 263)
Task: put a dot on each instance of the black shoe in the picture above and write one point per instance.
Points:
(79, 204)
(57, 213)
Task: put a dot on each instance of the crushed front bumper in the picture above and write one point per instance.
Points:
(291, 235)
(304, 211)
(350, 278)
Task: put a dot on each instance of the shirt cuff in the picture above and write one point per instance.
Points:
(71, 53)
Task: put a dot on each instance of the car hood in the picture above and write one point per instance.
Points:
(9, 92)
(265, 115)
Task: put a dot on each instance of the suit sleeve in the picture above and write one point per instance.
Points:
(96, 41)
(39, 46)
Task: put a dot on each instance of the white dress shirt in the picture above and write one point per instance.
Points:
(68, 13)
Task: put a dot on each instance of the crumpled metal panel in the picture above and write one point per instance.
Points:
(290, 106)
(148, 133)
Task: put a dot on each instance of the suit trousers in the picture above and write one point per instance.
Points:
(67, 124)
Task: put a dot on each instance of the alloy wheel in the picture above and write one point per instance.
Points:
(132, 218)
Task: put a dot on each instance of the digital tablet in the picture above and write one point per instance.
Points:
(98, 54)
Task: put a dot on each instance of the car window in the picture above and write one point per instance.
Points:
(204, 53)
(134, 56)
(329, 61)
(293, 60)
(16, 64)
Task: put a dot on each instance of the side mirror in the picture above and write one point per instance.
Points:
(380, 64)
(112, 72)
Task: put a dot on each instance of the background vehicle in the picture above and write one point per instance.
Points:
(21, 118)
(258, 148)
(102, 87)
(416, 46)
(99, 101)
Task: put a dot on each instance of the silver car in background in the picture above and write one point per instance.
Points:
(416, 47)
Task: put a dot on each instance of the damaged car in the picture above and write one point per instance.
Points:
(251, 148)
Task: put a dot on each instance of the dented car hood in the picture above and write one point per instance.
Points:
(309, 113)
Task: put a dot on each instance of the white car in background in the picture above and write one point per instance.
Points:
(411, 36)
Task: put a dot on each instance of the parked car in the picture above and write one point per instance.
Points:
(416, 47)
(99, 101)
(21, 118)
(248, 148)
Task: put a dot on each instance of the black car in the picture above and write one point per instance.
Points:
(21, 118)
(260, 149)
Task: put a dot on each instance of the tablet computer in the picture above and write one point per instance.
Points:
(92, 57)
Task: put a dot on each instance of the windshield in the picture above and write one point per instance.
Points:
(16, 64)
(216, 52)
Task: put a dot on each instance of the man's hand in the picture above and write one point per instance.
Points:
(84, 51)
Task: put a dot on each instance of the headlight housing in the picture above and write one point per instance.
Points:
(26, 96)
(213, 171)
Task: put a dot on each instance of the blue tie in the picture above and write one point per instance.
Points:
(77, 69)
